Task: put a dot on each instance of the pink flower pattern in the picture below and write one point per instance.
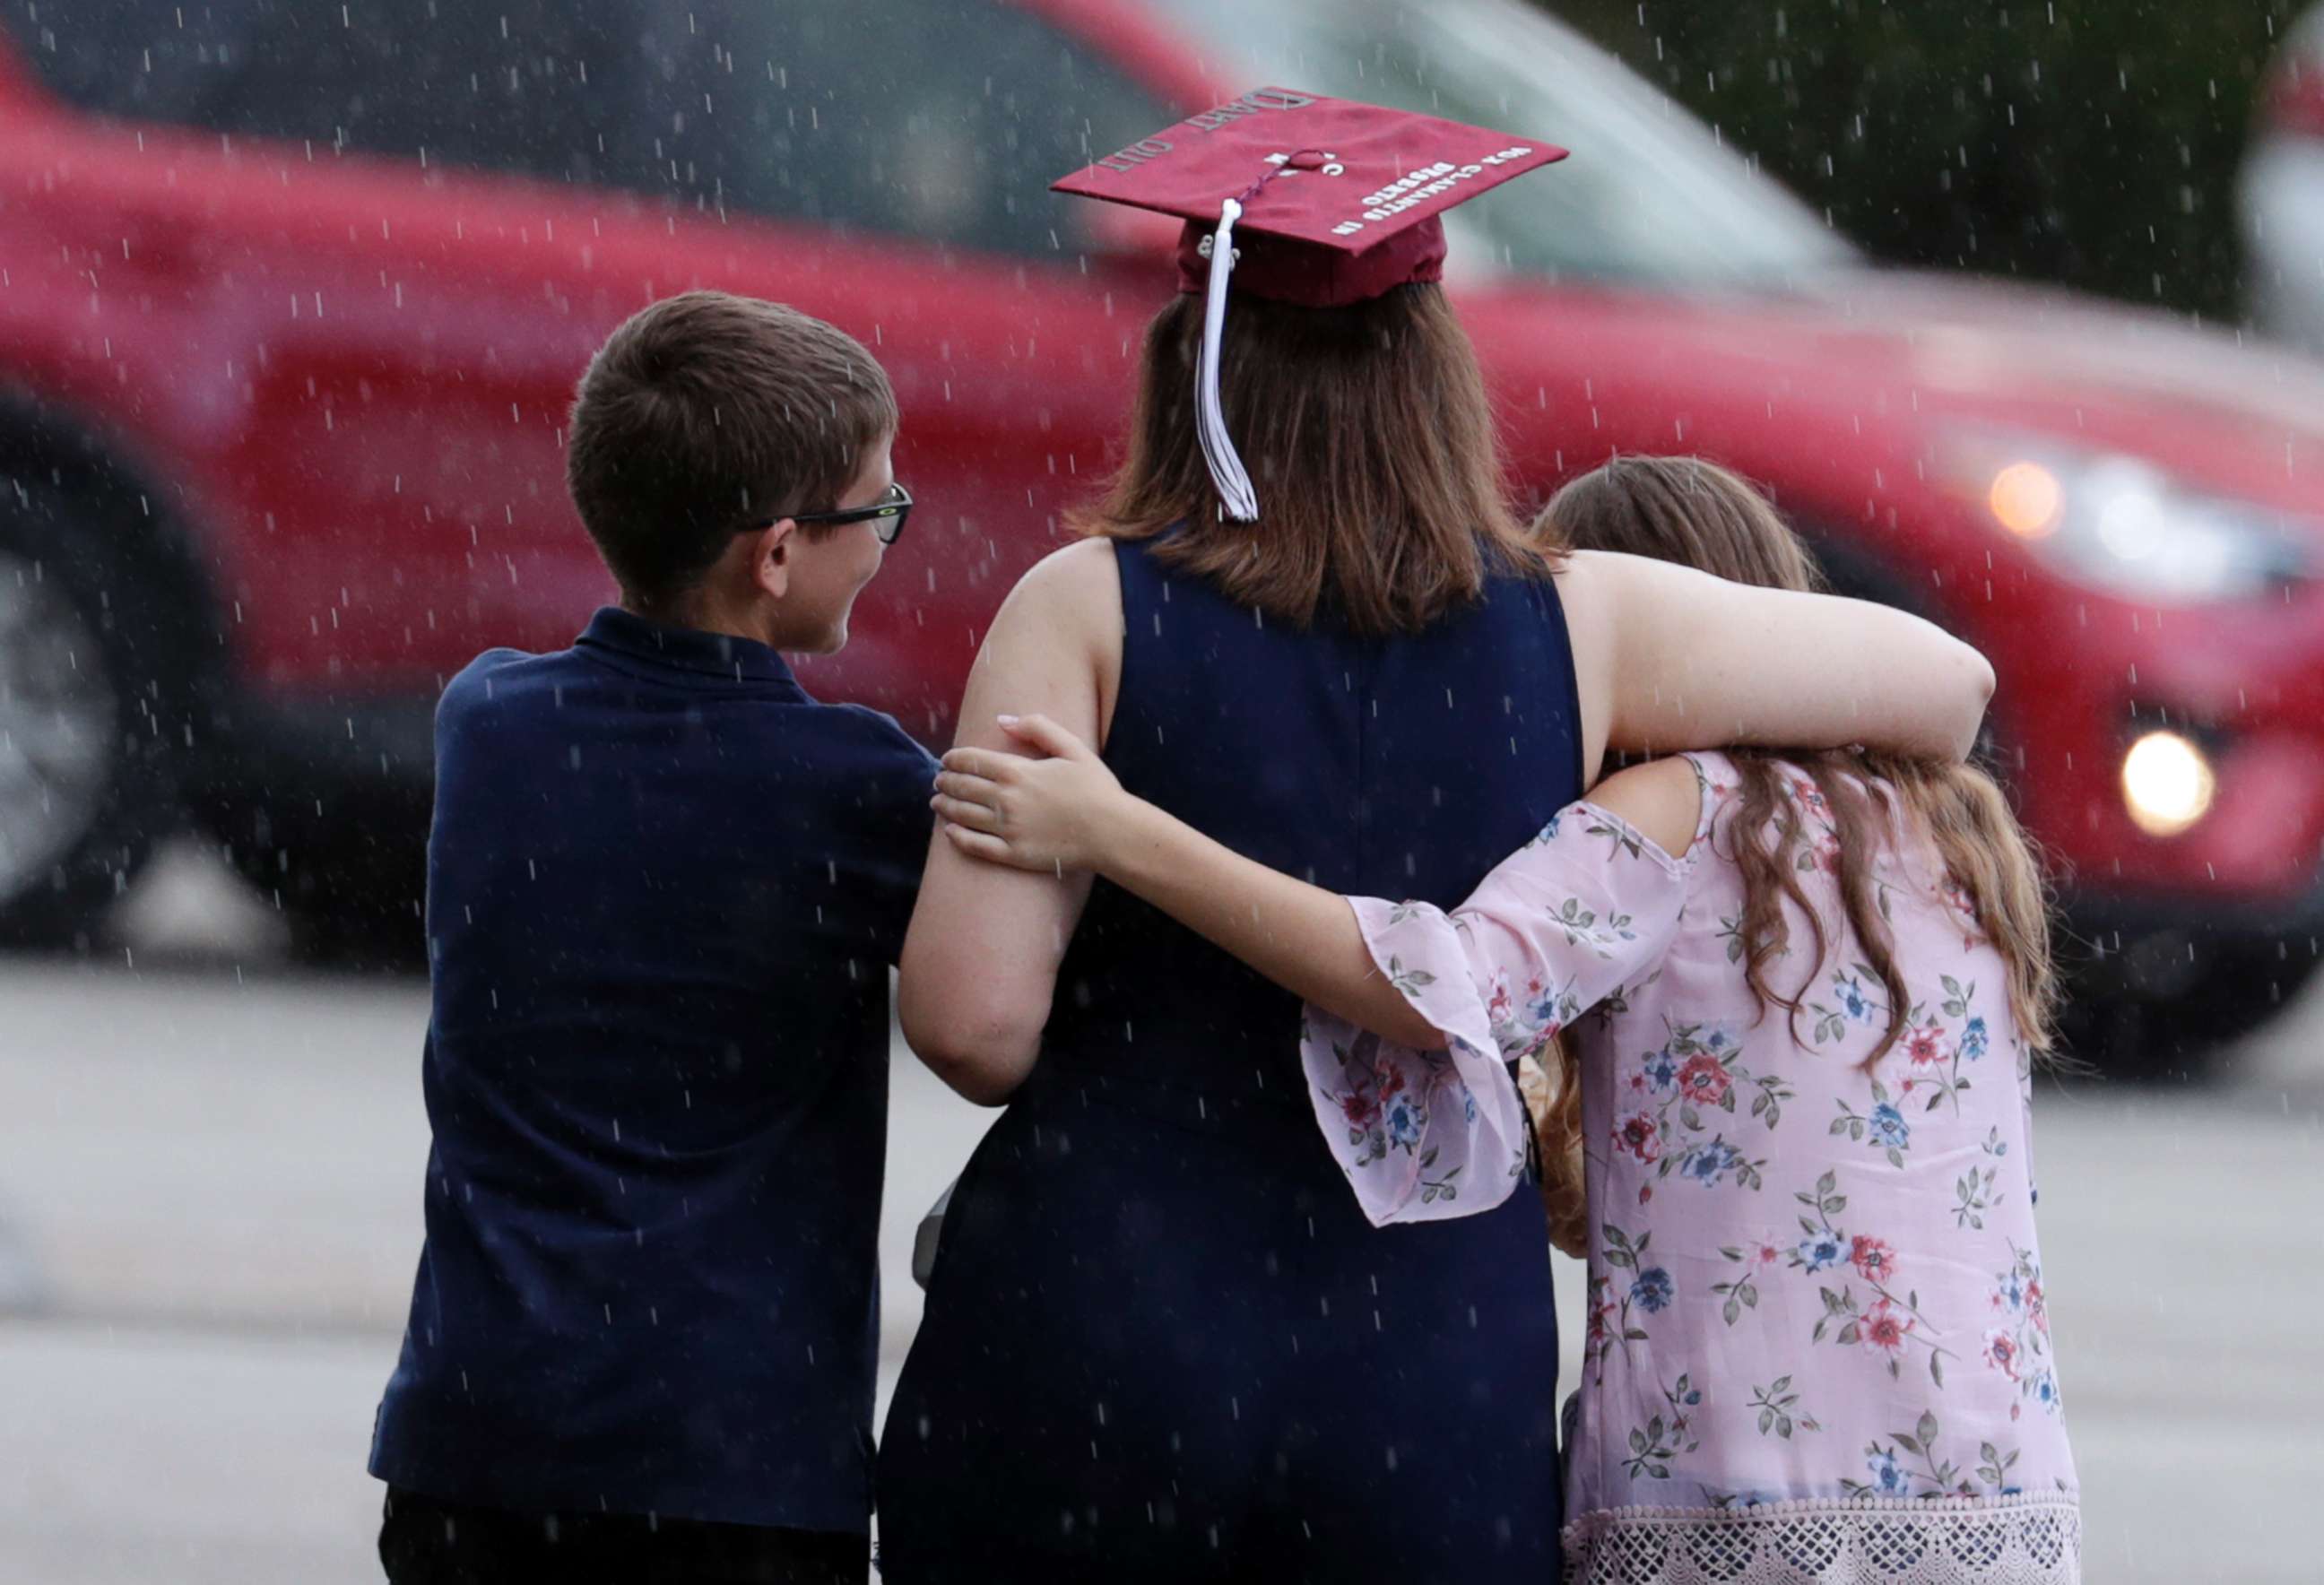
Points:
(1783, 1297)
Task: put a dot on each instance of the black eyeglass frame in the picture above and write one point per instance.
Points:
(888, 516)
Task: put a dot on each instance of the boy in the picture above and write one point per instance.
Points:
(664, 886)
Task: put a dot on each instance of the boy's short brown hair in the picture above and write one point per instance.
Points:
(704, 413)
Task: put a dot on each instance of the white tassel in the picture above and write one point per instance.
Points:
(1227, 474)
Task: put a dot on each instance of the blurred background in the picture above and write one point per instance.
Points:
(2016, 307)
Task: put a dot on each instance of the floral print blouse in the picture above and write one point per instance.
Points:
(1819, 1336)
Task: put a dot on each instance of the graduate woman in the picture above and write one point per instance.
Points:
(1162, 1342)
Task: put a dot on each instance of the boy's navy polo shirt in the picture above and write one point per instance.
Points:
(664, 889)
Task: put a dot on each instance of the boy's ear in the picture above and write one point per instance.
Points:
(771, 559)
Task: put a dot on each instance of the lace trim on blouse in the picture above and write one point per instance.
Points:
(1988, 1541)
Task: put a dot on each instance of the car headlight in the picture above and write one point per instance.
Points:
(2168, 783)
(2122, 525)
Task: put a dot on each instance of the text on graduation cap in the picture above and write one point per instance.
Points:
(1420, 186)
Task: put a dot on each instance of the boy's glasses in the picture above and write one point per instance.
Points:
(888, 515)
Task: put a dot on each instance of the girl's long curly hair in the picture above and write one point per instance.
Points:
(1698, 514)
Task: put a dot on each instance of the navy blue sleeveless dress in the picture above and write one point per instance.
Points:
(1161, 1341)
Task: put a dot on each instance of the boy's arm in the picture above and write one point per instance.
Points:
(890, 829)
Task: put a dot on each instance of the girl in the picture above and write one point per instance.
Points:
(1819, 1341)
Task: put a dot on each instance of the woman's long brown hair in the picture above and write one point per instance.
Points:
(1698, 514)
(1370, 441)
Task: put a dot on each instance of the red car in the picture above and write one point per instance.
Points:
(290, 314)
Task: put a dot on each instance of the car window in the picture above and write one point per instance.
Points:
(1648, 197)
(943, 120)
(511, 85)
(949, 130)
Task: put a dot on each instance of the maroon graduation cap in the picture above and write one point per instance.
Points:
(1336, 202)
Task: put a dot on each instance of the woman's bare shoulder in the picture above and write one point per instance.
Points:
(1079, 571)
(1061, 621)
(1072, 595)
(1609, 570)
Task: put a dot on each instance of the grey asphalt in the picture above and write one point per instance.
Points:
(210, 1193)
